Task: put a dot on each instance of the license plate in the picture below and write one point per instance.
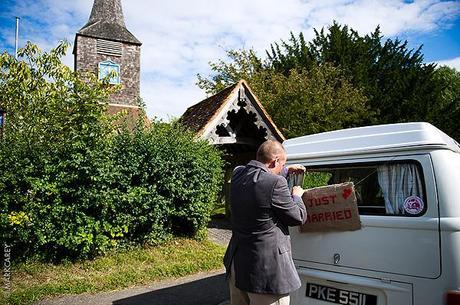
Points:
(339, 296)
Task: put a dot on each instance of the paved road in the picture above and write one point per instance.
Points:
(198, 289)
(219, 231)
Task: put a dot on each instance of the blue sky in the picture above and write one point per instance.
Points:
(180, 37)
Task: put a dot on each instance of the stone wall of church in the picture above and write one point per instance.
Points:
(87, 60)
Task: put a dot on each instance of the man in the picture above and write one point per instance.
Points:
(258, 258)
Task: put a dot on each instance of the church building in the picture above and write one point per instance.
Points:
(234, 120)
(103, 45)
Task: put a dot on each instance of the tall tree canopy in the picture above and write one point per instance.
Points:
(389, 81)
(445, 112)
(303, 101)
(394, 78)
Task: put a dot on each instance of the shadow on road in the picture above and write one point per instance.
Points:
(220, 223)
(208, 291)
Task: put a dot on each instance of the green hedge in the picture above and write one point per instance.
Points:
(74, 185)
(165, 161)
(143, 187)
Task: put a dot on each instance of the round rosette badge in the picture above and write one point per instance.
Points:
(413, 205)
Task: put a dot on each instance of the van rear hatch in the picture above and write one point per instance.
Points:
(385, 261)
(407, 245)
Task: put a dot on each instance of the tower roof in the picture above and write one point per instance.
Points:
(106, 21)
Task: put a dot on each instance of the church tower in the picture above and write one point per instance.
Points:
(104, 44)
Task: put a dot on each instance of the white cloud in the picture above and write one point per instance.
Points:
(170, 99)
(181, 37)
(393, 16)
(453, 63)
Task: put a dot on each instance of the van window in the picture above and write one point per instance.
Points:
(381, 189)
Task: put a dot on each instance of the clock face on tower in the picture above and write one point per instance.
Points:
(111, 70)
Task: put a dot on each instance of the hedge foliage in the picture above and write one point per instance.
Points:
(73, 184)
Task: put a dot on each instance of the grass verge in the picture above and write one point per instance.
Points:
(34, 281)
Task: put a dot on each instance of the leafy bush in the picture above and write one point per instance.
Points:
(74, 185)
(315, 179)
(165, 161)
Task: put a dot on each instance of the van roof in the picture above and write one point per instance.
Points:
(363, 140)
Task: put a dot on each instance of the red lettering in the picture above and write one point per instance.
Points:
(325, 200)
(347, 214)
(339, 215)
(314, 218)
(321, 217)
(333, 198)
(317, 201)
(328, 216)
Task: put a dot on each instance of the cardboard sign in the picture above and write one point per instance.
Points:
(331, 208)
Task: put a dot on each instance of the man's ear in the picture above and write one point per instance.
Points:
(272, 164)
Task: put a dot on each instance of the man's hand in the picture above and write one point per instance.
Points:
(297, 191)
(296, 169)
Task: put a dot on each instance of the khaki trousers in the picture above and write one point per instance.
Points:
(240, 297)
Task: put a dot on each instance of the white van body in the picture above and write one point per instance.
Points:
(393, 259)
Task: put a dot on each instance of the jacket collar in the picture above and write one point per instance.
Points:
(255, 163)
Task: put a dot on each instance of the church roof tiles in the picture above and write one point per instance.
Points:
(107, 22)
(214, 109)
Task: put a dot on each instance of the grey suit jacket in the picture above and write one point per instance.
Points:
(262, 209)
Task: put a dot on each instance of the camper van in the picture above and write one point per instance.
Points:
(407, 183)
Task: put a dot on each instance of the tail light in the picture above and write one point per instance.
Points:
(453, 297)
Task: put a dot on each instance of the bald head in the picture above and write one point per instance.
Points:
(269, 150)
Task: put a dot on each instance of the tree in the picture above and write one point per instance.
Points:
(446, 111)
(312, 101)
(398, 86)
(53, 151)
(244, 64)
(302, 101)
(74, 184)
